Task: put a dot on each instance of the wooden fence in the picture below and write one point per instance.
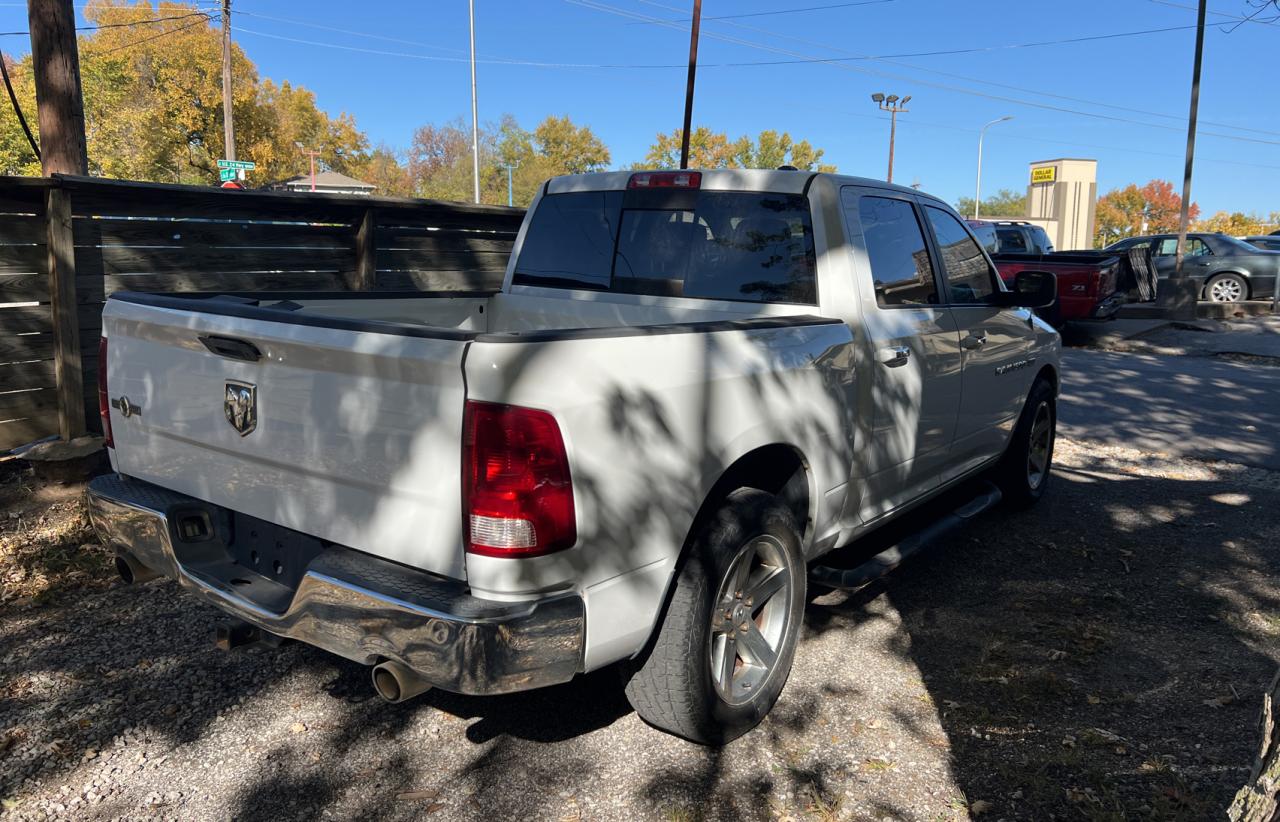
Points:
(68, 242)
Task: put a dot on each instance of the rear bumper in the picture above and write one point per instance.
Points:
(1108, 307)
(354, 605)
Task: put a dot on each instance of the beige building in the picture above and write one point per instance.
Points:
(1062, 197)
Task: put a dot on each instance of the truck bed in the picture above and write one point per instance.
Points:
(357, 400)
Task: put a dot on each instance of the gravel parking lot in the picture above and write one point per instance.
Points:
(1099, 657)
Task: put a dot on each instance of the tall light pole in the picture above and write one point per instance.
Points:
(894, 107)
(475, 115)
(977, 187)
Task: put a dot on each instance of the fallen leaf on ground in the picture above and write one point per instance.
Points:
(413, 796)
(297, 728)
(979, 806)
(1219, 701)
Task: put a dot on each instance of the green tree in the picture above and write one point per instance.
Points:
(439, 161)
(152, 96)
(568, 148)
(1004, 203)
(1154, 208)
(711, 149)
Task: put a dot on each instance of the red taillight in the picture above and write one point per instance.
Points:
(666, 179)
(518, 498)
(104, 402)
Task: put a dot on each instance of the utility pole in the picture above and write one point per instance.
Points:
(510, 188)
(688, 91)
(1182, 301)
(228, 117)
(475, 115)
(890, 104)
(977, 187)
(310, 152)
(55, 61)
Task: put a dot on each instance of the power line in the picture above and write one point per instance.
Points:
(152, 37)
(369, 35)
(795, 11)
(117, 25)
(837, 62)
(17, 109)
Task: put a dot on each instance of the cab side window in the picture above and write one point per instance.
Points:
(897, 252)
(968, 274)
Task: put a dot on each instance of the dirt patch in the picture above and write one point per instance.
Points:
(1100, 656)
(46, 542)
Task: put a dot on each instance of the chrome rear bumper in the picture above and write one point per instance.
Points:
(354, 605)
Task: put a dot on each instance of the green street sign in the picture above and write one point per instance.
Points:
(236, 164)
(226, 174)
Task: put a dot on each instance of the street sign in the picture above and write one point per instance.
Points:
(225, 174)
(240, 164)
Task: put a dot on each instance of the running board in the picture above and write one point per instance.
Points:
(851, 579)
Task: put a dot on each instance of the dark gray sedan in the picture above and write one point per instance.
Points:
(1228, 270)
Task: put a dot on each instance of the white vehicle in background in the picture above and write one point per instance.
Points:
(690, 386)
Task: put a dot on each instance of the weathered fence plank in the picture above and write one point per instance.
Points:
(119, 235)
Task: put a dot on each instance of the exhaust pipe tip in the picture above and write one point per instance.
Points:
(397, 683)
(131, 571)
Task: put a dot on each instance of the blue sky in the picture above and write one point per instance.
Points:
(425, 78)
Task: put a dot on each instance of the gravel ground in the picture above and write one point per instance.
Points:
(1097, 657)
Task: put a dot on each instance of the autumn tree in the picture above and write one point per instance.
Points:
(1004, 203)
(385, 168)
(712, 149)
(1154, 208)
(152, 94)
(1239, 224)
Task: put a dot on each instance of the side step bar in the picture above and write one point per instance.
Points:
(851, 579)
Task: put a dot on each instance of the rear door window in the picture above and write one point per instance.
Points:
(896, 249)
(1012, 241)
(968, 274)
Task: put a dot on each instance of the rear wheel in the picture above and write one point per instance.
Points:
(1023, 471)
(1227, 288)
(728, 638)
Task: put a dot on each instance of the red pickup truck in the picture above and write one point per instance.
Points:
(1088, 283)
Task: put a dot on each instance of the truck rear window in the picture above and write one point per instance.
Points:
(724, 245)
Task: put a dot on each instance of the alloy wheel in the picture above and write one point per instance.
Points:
(1040, 451)
(750, 621)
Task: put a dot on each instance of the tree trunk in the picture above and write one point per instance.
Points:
(1259, 799)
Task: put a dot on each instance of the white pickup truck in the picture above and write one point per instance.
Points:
(690, 386)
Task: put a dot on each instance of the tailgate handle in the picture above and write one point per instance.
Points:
(231, 348)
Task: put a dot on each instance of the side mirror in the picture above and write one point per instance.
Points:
(1031, 289)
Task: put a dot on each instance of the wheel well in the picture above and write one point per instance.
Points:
(1051, 374)
(777, 469)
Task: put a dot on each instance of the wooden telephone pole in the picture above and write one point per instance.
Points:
(228, 117)
(55, 61)
(688, 92)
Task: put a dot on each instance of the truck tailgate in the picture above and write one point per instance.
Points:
(353, 437)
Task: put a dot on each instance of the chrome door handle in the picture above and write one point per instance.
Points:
(974, 341)
(893, 356)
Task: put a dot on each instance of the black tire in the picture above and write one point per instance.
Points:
(1226, 288)
(1020, 483)
(671, 684)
